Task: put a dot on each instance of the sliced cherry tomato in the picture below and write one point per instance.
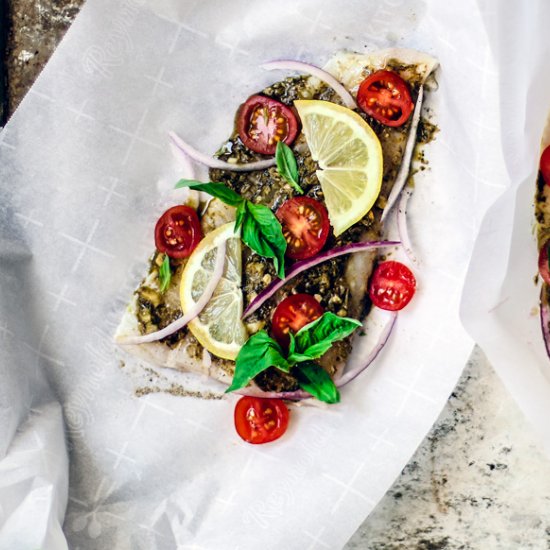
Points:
(544, 268)
(260, 420)
(392, 286)
(305, 226)
(293, 313)
(262, 122)
(178, 232)
(385, 96)
(545, 165)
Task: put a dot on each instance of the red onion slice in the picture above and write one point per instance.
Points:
(402, 225)
(384, 336)
(545, 320)
(185, 149)
(255, 391)
(187, 167)
(191, 314)
(403, 174)
(327, 78)
(299, 267)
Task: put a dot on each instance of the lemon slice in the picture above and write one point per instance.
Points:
(218, 327)
(349, 155)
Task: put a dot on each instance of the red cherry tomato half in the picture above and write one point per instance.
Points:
(259, 420)
(545, 165)
(305, 226)
(293, 313)
(544, 268)
(385, 96)
(262, 122)
(392, 286)
(178, 232)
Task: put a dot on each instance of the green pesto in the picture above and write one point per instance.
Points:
(426, 131)
(153, 313)
(327, 281)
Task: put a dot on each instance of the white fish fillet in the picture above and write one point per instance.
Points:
(350, 69)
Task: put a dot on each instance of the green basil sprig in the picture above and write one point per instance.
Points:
(165, 274)
(316, 338)
(287, 166)
(317, 381)
(258, 354)
(311, 342)
(261, 230)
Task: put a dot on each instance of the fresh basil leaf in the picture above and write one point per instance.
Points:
(291, 344)
(261, 229)
(262, 232)
(218, 190)
(258, 354)
(165, 274)
(316, 381)
(286, 165)
(240, 215)
(316, 338)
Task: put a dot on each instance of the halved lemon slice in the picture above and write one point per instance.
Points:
(218, 327)
(349, 155)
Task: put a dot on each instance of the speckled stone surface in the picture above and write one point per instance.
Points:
(3, 73)
(477, 481)
(36, 27)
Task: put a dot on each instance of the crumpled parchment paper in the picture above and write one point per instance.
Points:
(500, 305)
(81, 164)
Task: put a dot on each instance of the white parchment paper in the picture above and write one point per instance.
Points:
(81, 162)
(500, 303)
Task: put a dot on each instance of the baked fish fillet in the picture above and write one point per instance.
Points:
(340, 285)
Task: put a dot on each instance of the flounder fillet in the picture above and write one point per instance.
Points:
(340, 285)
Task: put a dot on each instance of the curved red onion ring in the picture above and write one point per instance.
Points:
(191, 314)
(346, 378)
(545, 321)
(384, 336)
(402, 225)
(255, 391)
(298, 267)
(403, 174)
(184, 148)
(186, 163)
(324, 76)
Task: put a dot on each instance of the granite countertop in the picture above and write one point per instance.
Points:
(35, 29)
(478, 480)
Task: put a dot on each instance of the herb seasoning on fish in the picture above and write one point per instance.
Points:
(332, 282)
(339, 284)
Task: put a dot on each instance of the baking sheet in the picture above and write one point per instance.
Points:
(500, 306)
(82, 161)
